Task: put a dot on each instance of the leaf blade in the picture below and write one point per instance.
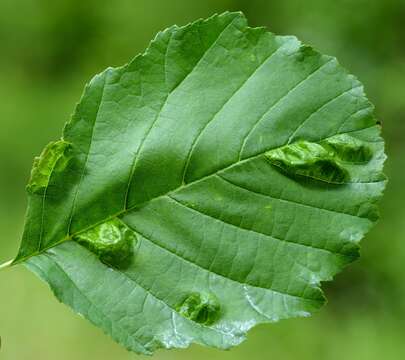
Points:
(173, 145)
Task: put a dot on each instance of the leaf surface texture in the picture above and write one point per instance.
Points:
(207, 186)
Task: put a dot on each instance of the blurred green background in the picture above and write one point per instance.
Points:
(49, 49)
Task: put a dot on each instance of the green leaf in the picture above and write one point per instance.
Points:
(208, 186)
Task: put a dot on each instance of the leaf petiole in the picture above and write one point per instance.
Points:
(6, 265)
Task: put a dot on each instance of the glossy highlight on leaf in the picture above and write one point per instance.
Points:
(209, 185)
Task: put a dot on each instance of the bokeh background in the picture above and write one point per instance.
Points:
(50, 49)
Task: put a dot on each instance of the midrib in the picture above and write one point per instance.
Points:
(170, 192)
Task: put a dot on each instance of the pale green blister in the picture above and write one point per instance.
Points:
(112, 241)
(54, 157)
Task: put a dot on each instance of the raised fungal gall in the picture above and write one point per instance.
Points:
(112, 241)
(309, 159)
(54, 158)
(202, 308)
(348, 148)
